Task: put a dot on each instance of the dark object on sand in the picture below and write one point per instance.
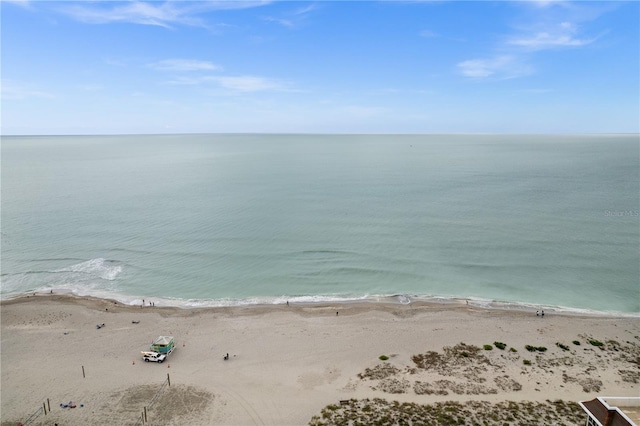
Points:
(99, 326)
(135, 322)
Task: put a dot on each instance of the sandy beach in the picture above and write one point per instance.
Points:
(289, 362)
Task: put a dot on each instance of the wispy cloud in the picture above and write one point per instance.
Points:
(544, 3)
(503, 67)
(428, 34)
(16, 91)
(249, 84)
(183, 65)
(293, 18)
(23, 3)
(163, 14)
(548, 24)
(562, 35)
(244, 84)
(281, 21)
(306, 9)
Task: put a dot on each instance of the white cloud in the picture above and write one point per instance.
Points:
(504, 66)
(249, 83)
(561, 35)
(293, 18)
(164, 14)
(12, 90)
(284, 22)
(306, 9)
(235, 83)
(184, 65)
(428, 34)
(545, 3)
(544, 28)
(23, 3)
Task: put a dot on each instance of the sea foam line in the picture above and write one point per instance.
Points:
(310, 300)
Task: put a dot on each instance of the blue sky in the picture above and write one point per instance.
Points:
(112, 67)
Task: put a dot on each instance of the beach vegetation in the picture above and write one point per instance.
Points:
(383, 357)
(562, 346)
(383, 412)
(595, 342)
(532, 348)
(513, 350)
(488, 347)
(526, 361)
(500, 345)
(576, 342)
(379, 372)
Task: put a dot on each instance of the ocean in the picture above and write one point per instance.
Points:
(227, 219)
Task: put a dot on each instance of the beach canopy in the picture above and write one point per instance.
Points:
(163, 341)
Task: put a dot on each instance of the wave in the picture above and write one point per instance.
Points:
(89, 274)
(99, 267)
(311, 300)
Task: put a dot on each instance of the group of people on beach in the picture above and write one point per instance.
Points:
(540, 314)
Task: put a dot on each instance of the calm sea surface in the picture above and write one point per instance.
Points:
(224, 219)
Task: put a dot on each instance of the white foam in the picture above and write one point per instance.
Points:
(98, 268)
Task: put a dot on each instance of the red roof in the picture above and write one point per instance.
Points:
(608, 416)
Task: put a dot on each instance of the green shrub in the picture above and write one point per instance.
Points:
(563, 347)
(595, 342)
(535, 348)
(383, 357)
(577, 343)
(513, 349)
(526, 362)
(500, 345)
(487, 347)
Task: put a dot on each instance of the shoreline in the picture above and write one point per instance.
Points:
(289, 362)
(321, 301)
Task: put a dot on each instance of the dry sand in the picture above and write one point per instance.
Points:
(288, 362)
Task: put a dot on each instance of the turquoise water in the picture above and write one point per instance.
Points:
(226, 219)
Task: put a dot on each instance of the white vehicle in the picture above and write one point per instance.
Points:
(153, 357)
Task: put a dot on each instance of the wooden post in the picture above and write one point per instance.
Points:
(44, 408)
(83, 372)
(48, 405)
(169, 379)
(142, 417)
(145, 414)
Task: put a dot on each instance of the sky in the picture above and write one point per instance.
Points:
(126, 67)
